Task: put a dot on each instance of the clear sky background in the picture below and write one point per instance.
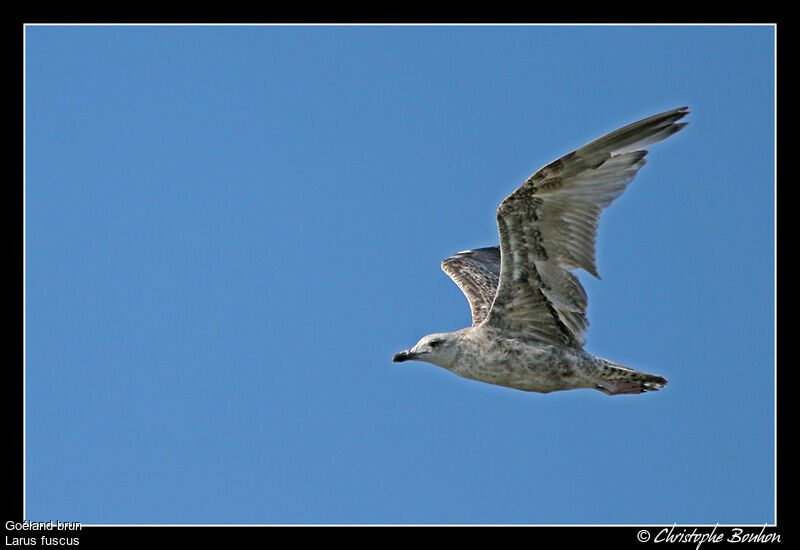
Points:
(231, 230)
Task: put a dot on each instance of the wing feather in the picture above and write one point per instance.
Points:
(548, 227)
(476, 272)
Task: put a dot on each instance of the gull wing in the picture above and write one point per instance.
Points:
(476, 272)
(548, 228)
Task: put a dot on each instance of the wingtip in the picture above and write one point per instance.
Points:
(682, 112)
(673, 115)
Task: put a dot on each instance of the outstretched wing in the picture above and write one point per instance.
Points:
(548, 227)
(476, 272)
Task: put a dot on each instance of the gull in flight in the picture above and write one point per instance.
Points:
(528, 308)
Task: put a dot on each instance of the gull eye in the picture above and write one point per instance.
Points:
(435, 344)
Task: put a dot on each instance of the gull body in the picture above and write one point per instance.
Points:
(482, 354)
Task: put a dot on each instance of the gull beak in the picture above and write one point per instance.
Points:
(402, 356)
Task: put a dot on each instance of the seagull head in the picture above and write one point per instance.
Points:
(440, 349)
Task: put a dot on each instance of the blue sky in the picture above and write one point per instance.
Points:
(231, 230)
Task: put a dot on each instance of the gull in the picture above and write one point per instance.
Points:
(528, 308)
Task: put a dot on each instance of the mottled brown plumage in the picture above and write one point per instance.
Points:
(476, 272)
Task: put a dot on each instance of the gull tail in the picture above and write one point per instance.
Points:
(615, 379)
